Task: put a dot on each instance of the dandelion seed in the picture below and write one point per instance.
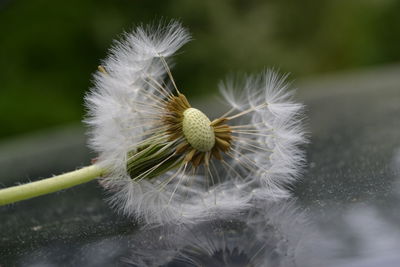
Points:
(165, 156)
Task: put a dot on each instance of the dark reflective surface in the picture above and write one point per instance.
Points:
(352, 186)
(349, 197)
(268, 234)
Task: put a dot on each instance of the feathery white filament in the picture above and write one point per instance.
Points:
(267, 146)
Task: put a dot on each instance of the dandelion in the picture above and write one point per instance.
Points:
(163, 160)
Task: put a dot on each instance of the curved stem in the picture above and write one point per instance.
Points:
(49, 185)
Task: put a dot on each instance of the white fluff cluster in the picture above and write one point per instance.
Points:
(267, 147)
(122, 98)
(124, 107)
(119, 106)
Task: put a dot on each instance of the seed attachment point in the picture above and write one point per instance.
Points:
(197, 130)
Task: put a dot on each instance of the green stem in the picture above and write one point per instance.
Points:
(49, 185)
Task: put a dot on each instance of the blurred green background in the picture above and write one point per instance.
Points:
(48, 49)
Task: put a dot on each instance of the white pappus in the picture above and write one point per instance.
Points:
(166, 161)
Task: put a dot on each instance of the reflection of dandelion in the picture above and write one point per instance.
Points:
(162, 153)
(267, 235)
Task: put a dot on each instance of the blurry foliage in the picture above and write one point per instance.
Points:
(48, 49)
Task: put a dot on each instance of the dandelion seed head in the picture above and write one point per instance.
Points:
(168, 161)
